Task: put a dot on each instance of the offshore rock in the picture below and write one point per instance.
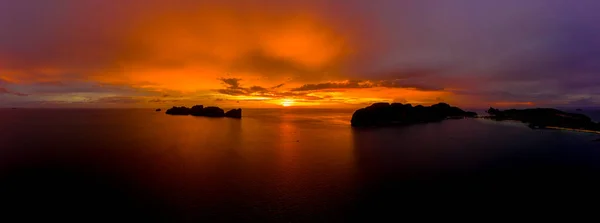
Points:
(234, 113)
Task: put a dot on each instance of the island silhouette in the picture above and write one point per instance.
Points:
(386, 114)
(546, 118)
(200, 110)
(397, 114)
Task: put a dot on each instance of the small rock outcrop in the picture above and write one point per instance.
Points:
(178, 111)
(200, 110)
(234, 113)
(546, 117)
(158, 109)
(385, 114)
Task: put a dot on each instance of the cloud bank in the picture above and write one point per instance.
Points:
(468, 52)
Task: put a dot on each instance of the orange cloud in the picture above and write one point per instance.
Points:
(330, 94)
(189, 51)
(246, 55)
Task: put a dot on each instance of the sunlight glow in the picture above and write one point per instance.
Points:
(287, 103)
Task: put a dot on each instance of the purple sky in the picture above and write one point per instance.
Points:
(478, 52)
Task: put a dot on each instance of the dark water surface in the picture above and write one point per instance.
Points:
(287, 165)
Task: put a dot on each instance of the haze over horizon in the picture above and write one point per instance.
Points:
(267, 53)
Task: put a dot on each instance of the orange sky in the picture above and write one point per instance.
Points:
(183, 55)
(231, 53)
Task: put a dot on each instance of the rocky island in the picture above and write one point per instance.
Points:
(386, 114)
(200, 110)
(546, 118)
(234, 113)
(178, 111)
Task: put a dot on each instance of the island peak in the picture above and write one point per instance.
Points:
(386, 114)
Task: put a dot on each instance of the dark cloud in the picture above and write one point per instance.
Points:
(118, 100)
(408, 84)
(257, 89)
(583, 101)
(233, 87)
(233, 83)
(163, 100)
(404, 72)
(305, 92)
(77, 87)
(353, 84)
(335, 85)
(278, 86)
(9, 92)
(234, 92)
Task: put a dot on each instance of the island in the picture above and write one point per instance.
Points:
(234, 113)
(386, 114)
(546, 118)
(200, 110)
(178, 111)
(158, 109)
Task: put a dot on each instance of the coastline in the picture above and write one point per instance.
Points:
(574, 130)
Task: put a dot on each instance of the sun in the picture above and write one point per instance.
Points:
(287, 103)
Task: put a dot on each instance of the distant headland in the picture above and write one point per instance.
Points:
(547, 118)
(200, 110)
(397, 114)
(386, 114)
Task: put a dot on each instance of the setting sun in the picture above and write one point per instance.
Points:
(287, 103)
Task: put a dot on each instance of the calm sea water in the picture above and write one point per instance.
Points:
(283, 165)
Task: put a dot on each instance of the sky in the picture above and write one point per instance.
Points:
(270, 53)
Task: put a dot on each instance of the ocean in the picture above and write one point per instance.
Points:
(283, 165)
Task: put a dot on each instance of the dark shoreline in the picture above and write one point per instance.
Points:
(396, 114)
(546, 118)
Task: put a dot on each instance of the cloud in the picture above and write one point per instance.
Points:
(233, 83)
(329, 93)
(117, 100)
(156, 100)
(233, 87)
(178, 45)
(530, 50)
(6, 91)
(274, 66)
(335, 85)
(353, 84)
(278, 86)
